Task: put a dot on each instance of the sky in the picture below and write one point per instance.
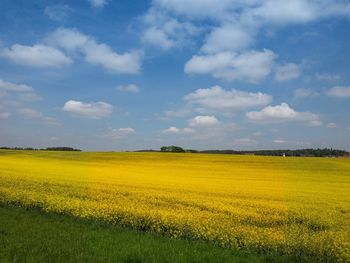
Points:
(108, 75)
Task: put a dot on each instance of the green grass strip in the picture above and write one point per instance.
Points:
(33, 236)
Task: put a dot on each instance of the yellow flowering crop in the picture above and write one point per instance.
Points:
(293, 206)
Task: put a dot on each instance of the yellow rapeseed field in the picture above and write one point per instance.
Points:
(294, 206)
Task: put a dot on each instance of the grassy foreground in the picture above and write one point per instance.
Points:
(30, 236)
(297, 207)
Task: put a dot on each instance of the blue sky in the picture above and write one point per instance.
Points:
(204, 74)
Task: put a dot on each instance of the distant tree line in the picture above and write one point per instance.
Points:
(172, 148)
(62, 149)
(326, 152)
(43, 149)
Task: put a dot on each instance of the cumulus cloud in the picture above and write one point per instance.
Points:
(203, 121)
(247, 16)
(96, 53)
(165, 32)
(158, 37)
(196, 8)
(339, 92)
(58, 12)
(171, 129)
(331, 125)
(37, 55)
(327, 77)
(93, 110)
(282, 113)
(98, 3)
(231, 26)
(119, 133)
(175, 130)
(257, 11)
(218, 99)
(203, 130)
(279, 141)
(300, 11)
(287, 72)
(314, 123)
(305, 93)
(251, 66)
(30, 113)
(24, 92)
(132, 88)
(29, 97)
(228, 37)
(9, 86)
(34, 114)
(181, 112)
(296, 11)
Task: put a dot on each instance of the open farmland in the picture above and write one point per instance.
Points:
(298, 207)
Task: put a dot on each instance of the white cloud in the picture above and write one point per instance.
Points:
(315, 123)
(251, 66)
(203, 121)
(257, 11)
(196, 8)
(126, 130)
(181, 112)
(203, 129)
(37, 55)
(279, 141)
(93, 110)
(287, 72)
(16, 94)
(300, 11)
(327, 77)
(282, 113)
(58, 12)
(228, 37)
(157, 37)
(132, 88)
(188, 130)
(331, 125)
(226, 101)
(30, 113)
(98, 3)
(171, 129)
(285, 12)
(237, 23)
(34, 114)
(4, 115)
(29, 97)
(103, 55)
(175, 130)
(9, 86)
(305, 93)
(23, 92)
(165, 32)
(96, 53)
(69, 39)
(119, 133)
(339, 92)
